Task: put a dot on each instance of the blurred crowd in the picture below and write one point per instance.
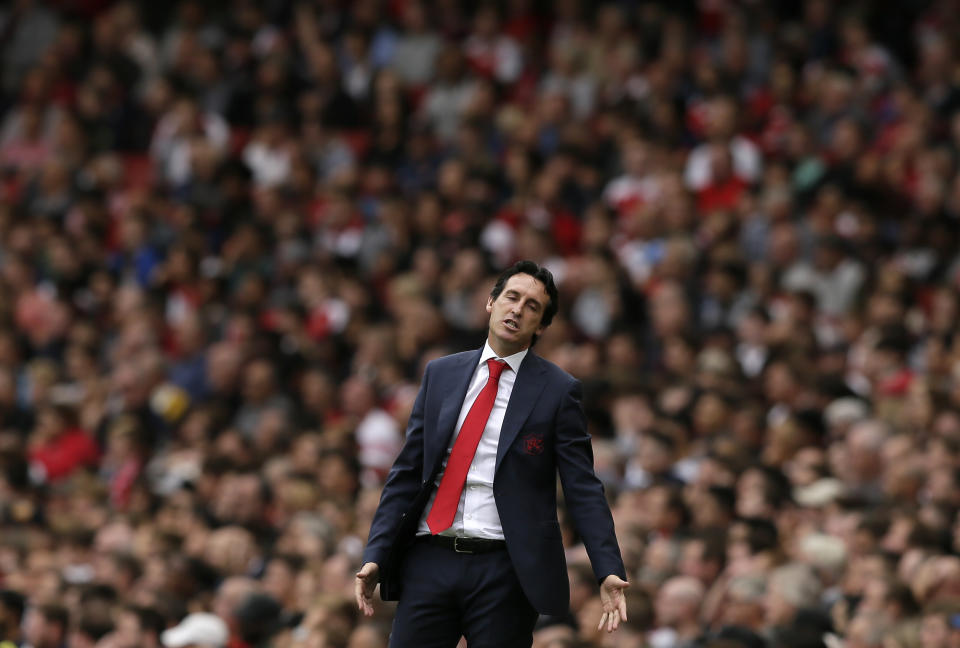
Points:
(232, 233)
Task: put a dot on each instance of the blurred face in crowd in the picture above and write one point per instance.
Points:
(49, 425)
(806, 466)
(317, 391)
(336, 476)
(278, 580)
(223, 366)
(240, 499)
(707, 512)
(863, 631)
(41, 632)
(357, 396)
(777, 610)
(662, 512)
(367, 637)
(230, 594)
(695, 563)
(669, 309)
(741, 608)
(231, 550)
(934, 631)
(128, 633)
(678, 601)
(258, 382)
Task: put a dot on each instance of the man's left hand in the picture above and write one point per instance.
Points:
(614, 602)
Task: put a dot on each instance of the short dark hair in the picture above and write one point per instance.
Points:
(542, 275)
(13, 601)
(293, 562)
(55, 614)
(95, 626)
(714, 545)
(149, 619)
(762, 534)
(725, 497)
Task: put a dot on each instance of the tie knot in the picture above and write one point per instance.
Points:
(496, 367)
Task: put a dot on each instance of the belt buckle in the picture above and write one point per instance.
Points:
(456, 546)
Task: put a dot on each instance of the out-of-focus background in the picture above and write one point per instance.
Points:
(232, 233)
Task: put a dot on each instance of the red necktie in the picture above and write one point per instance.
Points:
(451, 484)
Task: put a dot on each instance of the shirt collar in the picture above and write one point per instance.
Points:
(513, 360)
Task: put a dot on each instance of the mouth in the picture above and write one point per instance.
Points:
(511, 324)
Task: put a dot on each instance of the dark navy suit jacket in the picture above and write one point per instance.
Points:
(544, 431)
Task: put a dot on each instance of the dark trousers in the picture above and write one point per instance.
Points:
(448, 594)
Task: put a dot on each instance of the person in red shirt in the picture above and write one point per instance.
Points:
(58, 446)
(725, 188)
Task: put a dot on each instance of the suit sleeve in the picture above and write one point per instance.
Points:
(582, 490)
(402, 485)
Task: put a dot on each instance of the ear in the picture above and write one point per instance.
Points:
(489, 304)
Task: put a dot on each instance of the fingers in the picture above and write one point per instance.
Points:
(363, 588)
(358, 594)
(611, 618)
(363, 603)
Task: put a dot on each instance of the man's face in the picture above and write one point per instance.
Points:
(691, 559)
(516, 313)
(672, 606)
(741, 611)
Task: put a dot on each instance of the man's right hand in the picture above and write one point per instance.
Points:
(365, 585)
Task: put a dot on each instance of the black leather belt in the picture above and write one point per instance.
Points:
(464, 545)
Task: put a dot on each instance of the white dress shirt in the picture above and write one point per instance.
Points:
(477, 515)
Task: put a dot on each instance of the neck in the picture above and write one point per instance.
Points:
(502, 350)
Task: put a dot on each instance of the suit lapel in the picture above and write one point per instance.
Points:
(458, 381)
(526, 390)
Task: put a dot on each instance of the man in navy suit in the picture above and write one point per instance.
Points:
(466, 534)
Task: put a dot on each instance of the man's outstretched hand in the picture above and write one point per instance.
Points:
(366, 583)
(614, 602)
